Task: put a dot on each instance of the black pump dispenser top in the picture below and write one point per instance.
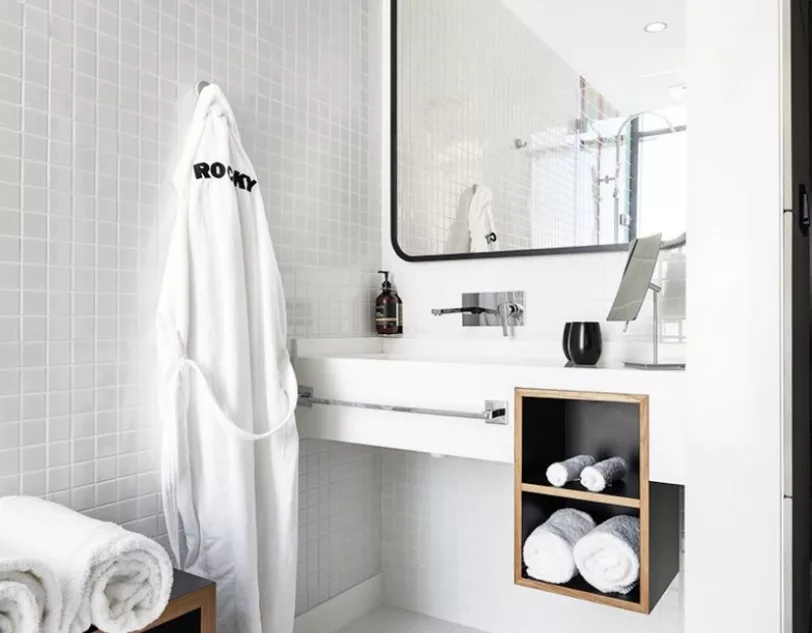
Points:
(386, 285)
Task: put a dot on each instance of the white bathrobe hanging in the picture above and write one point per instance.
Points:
(473, 229)
(228, 392)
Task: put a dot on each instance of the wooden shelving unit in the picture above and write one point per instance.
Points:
(552, 425)
(570, 492)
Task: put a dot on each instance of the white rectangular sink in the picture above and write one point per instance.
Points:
(369, 370)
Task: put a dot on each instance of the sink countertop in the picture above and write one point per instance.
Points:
(451, 378)
(461, 351)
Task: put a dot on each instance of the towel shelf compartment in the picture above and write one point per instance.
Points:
(535, 509)
(551, 426)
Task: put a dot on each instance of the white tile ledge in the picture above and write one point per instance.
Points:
(333, 615)
(386, 619)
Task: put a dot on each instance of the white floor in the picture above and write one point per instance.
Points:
(393, 620)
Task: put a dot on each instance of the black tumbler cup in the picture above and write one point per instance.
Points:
(565, 341)
(583, 342)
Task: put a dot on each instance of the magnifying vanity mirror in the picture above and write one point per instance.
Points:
(532, 127)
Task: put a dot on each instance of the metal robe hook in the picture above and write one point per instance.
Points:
(201, 85)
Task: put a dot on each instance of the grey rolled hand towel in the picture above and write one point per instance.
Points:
(548, 551)
(596, 477)
(570, 469)
(608, 557)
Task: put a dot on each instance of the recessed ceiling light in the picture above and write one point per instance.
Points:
(655, 27)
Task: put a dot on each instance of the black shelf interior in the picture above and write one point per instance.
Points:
(555, 429)
(536, 509)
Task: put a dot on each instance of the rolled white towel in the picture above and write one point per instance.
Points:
(596, 477)
(548, 552)
(30, 599)
(19, 612)
(608, 557)
(117, 580)
(570, 469)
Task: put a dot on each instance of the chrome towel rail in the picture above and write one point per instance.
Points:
(495, 411)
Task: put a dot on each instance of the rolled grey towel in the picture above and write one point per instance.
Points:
(597, 477)
(608, 557)
(569, 470)
(547, 552)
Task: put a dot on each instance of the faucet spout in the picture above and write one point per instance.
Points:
(464, 310)
(488, 309)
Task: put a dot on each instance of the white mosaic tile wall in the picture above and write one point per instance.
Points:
(447, 552)
(339, 520)
(472, 80)
(93, 95)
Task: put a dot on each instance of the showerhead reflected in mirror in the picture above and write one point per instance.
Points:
(637, 275)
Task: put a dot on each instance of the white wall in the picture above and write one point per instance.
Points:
(733, 549)
(559, 288)
(93, 98)
(448, 552)
(339, 519)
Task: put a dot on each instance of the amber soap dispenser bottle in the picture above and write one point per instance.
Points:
(386, 308)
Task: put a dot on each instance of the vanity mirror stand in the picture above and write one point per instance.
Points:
(655, 342)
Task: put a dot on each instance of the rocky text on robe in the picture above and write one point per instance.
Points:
(218, 170)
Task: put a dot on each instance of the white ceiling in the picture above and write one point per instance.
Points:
(604, 41)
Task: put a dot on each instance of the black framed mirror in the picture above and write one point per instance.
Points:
(536, 127)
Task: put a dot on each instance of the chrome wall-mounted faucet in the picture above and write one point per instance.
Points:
(488, 309)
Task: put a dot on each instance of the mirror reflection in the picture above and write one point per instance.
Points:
(538, 124)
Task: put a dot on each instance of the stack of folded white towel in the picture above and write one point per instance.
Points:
(61, 571)
(594, 477)
(568, 543)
